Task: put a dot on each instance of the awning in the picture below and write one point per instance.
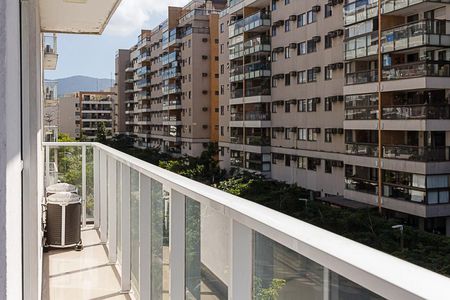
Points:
(76, 16)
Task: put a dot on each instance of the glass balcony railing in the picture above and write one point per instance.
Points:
(250, 71)
(257, 116)
(257, 140)
(360, 10)
(253, 22)
(362, 149)
(364, 113)
(431, 33)
(171, 89)
(160, 225)
(411, 112)
(168, 58)
(414, 153)
(254, 45)
(402, 71)
(239, 116)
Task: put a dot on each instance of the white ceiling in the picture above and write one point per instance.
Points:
(76, 16)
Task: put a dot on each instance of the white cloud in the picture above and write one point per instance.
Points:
(134, 15)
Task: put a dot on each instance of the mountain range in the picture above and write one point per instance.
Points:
(82, 83)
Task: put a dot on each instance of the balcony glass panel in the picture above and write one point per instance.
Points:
(408, 112)
(416, 153)
(206, 252)
(159, 242)
(119, 210)
(134, 226)
(362, 149)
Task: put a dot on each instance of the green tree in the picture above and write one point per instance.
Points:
(101, 132)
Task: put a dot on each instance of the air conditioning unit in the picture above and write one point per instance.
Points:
(316, 38)
(332, 34)
(340, 65)
(334, 130)
(204, 108)
(294, 158)
(316, 69)
(339, 32)
(204, 92)
(317, 130)
(278, 49)
(204, 56)
(316, 8)
(340, 130)
(293, 45)
(332, 66)
(317, 100)
(205, 126)
(204, 40)
(293, 73)
(340, 98)
(333, 98)
(293, 17)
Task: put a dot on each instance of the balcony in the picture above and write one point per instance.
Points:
(250, 71)
(166, 235)
(254, 45)
(361, 10)
(171, 89)
(50, 52)
(402, 71)
(425, 33)
(257, 22)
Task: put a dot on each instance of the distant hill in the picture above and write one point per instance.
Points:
(82, 83)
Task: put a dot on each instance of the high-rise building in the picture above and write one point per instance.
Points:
(122, 63)
(302, 100)
(170, 88)
(96, 108)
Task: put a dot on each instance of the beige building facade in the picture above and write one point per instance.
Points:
(69, 115)
(302, 101)
(171, 90)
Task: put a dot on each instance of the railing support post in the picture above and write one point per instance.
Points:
(47, 167)
(96, 188)
(125, 284)
(241, 262)
(112, 211)
(145, 250)
(83, 185)
(326, 284)
(103, 197)
(177, 245)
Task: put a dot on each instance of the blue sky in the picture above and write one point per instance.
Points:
(92, 55)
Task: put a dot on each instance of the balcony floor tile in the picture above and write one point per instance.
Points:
(68, 274)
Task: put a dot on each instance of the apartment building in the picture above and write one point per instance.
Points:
(69, 115)
(171, 91)
(299, 90)
(122, 63)
(96, 108)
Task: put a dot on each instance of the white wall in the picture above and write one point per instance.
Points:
(10, 153)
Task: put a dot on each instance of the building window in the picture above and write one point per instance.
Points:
(287, 79)
(274, 5)
(286, 2)
(328, 135)
(221, 27)
(287, 52)
(328, 104)
(328, 166)
(301, 48)
(287, 160)
(274, 30)
(221, 48)
(222, 90)
(302, 134)
(274, 82)
(311, 105)
(311, 46)
(313, 163)
(301, 77)
(312, 135)
(287, 26)
(328, 10)
(328, 42)
(221, 131)
(312, 75)
(274, 107)
(222, 110)
(328, 73)
(311, 17)
(301, 20)
(301, 105)
(287, 107)
(302, 162)
(274, 56)
(287, 133)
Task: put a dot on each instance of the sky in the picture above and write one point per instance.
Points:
(93, 55)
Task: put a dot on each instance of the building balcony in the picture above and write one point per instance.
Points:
(254, 45)
(163, 234)
(258, 22)
(361, 10)
(172, 104)
(250, 71)
(425, 33)
(171, 89)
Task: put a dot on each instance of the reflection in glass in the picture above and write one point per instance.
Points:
(134, 226)
(207, 256)
(343, 289)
